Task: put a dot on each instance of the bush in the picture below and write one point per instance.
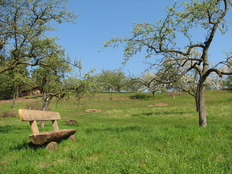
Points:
(7, 114)
(36, 106)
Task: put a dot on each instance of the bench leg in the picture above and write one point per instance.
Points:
(42, 123)
(52, 146)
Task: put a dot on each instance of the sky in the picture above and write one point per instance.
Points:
(102, 20)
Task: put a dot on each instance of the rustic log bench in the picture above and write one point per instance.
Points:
(49, 139)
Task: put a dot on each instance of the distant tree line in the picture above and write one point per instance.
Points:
(52, 82)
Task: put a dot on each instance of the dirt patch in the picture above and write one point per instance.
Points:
(93, 110)
(70, 121)
(158, 104)
(17, 100)
(115, 98)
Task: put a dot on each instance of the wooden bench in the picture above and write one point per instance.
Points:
(45, 138)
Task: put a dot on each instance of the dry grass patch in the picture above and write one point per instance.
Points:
(116, 113)
(158, 104)
(93, 110)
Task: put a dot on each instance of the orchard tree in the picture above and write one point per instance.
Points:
(189, 84)
(228, 83)
(22, 24)
(189, 81)
(49, 75)
(160, 40)
(130, 84)
(12, 82)
(79, 87)
(111, 81)
(147, 82)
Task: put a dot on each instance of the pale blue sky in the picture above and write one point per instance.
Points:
(102, 20)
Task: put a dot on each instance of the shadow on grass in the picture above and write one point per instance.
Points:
(159, 113)
(114, 129)
(140, 96)
(20, 146)
(10, 129)
(30, 145)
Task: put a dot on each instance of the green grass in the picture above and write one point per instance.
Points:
(128, 136)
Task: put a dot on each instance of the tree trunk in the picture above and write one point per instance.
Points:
(45, 103)
(17, 92)
(13, 100)
(197, 103)
(201, 104)
(15, 95)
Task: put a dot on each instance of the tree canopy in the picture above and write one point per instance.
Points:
(23, 27)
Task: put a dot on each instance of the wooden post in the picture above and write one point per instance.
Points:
(55, 125)
(34, 127)
(42, 123)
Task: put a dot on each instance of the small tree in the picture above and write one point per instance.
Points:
(189, 84)
(160, 39)
(227, 83)
(12, 82)
(131, 84)
(78, 87)
(49, 75)
(111, 81)
(147, 82)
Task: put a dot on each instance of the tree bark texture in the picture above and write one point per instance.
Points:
(201, 104)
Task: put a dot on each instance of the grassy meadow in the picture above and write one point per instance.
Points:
(131, 134)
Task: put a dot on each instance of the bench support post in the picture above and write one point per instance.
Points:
(34, 127)
(55, 125)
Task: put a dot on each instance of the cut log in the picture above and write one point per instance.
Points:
(47, 137)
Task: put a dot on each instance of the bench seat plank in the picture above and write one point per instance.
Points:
(47, 137)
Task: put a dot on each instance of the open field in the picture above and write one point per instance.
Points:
(130, 134)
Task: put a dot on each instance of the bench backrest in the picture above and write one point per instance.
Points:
(31, 115)
(35, 115)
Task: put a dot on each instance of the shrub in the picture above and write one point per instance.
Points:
(36, 106)
(7, 114)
